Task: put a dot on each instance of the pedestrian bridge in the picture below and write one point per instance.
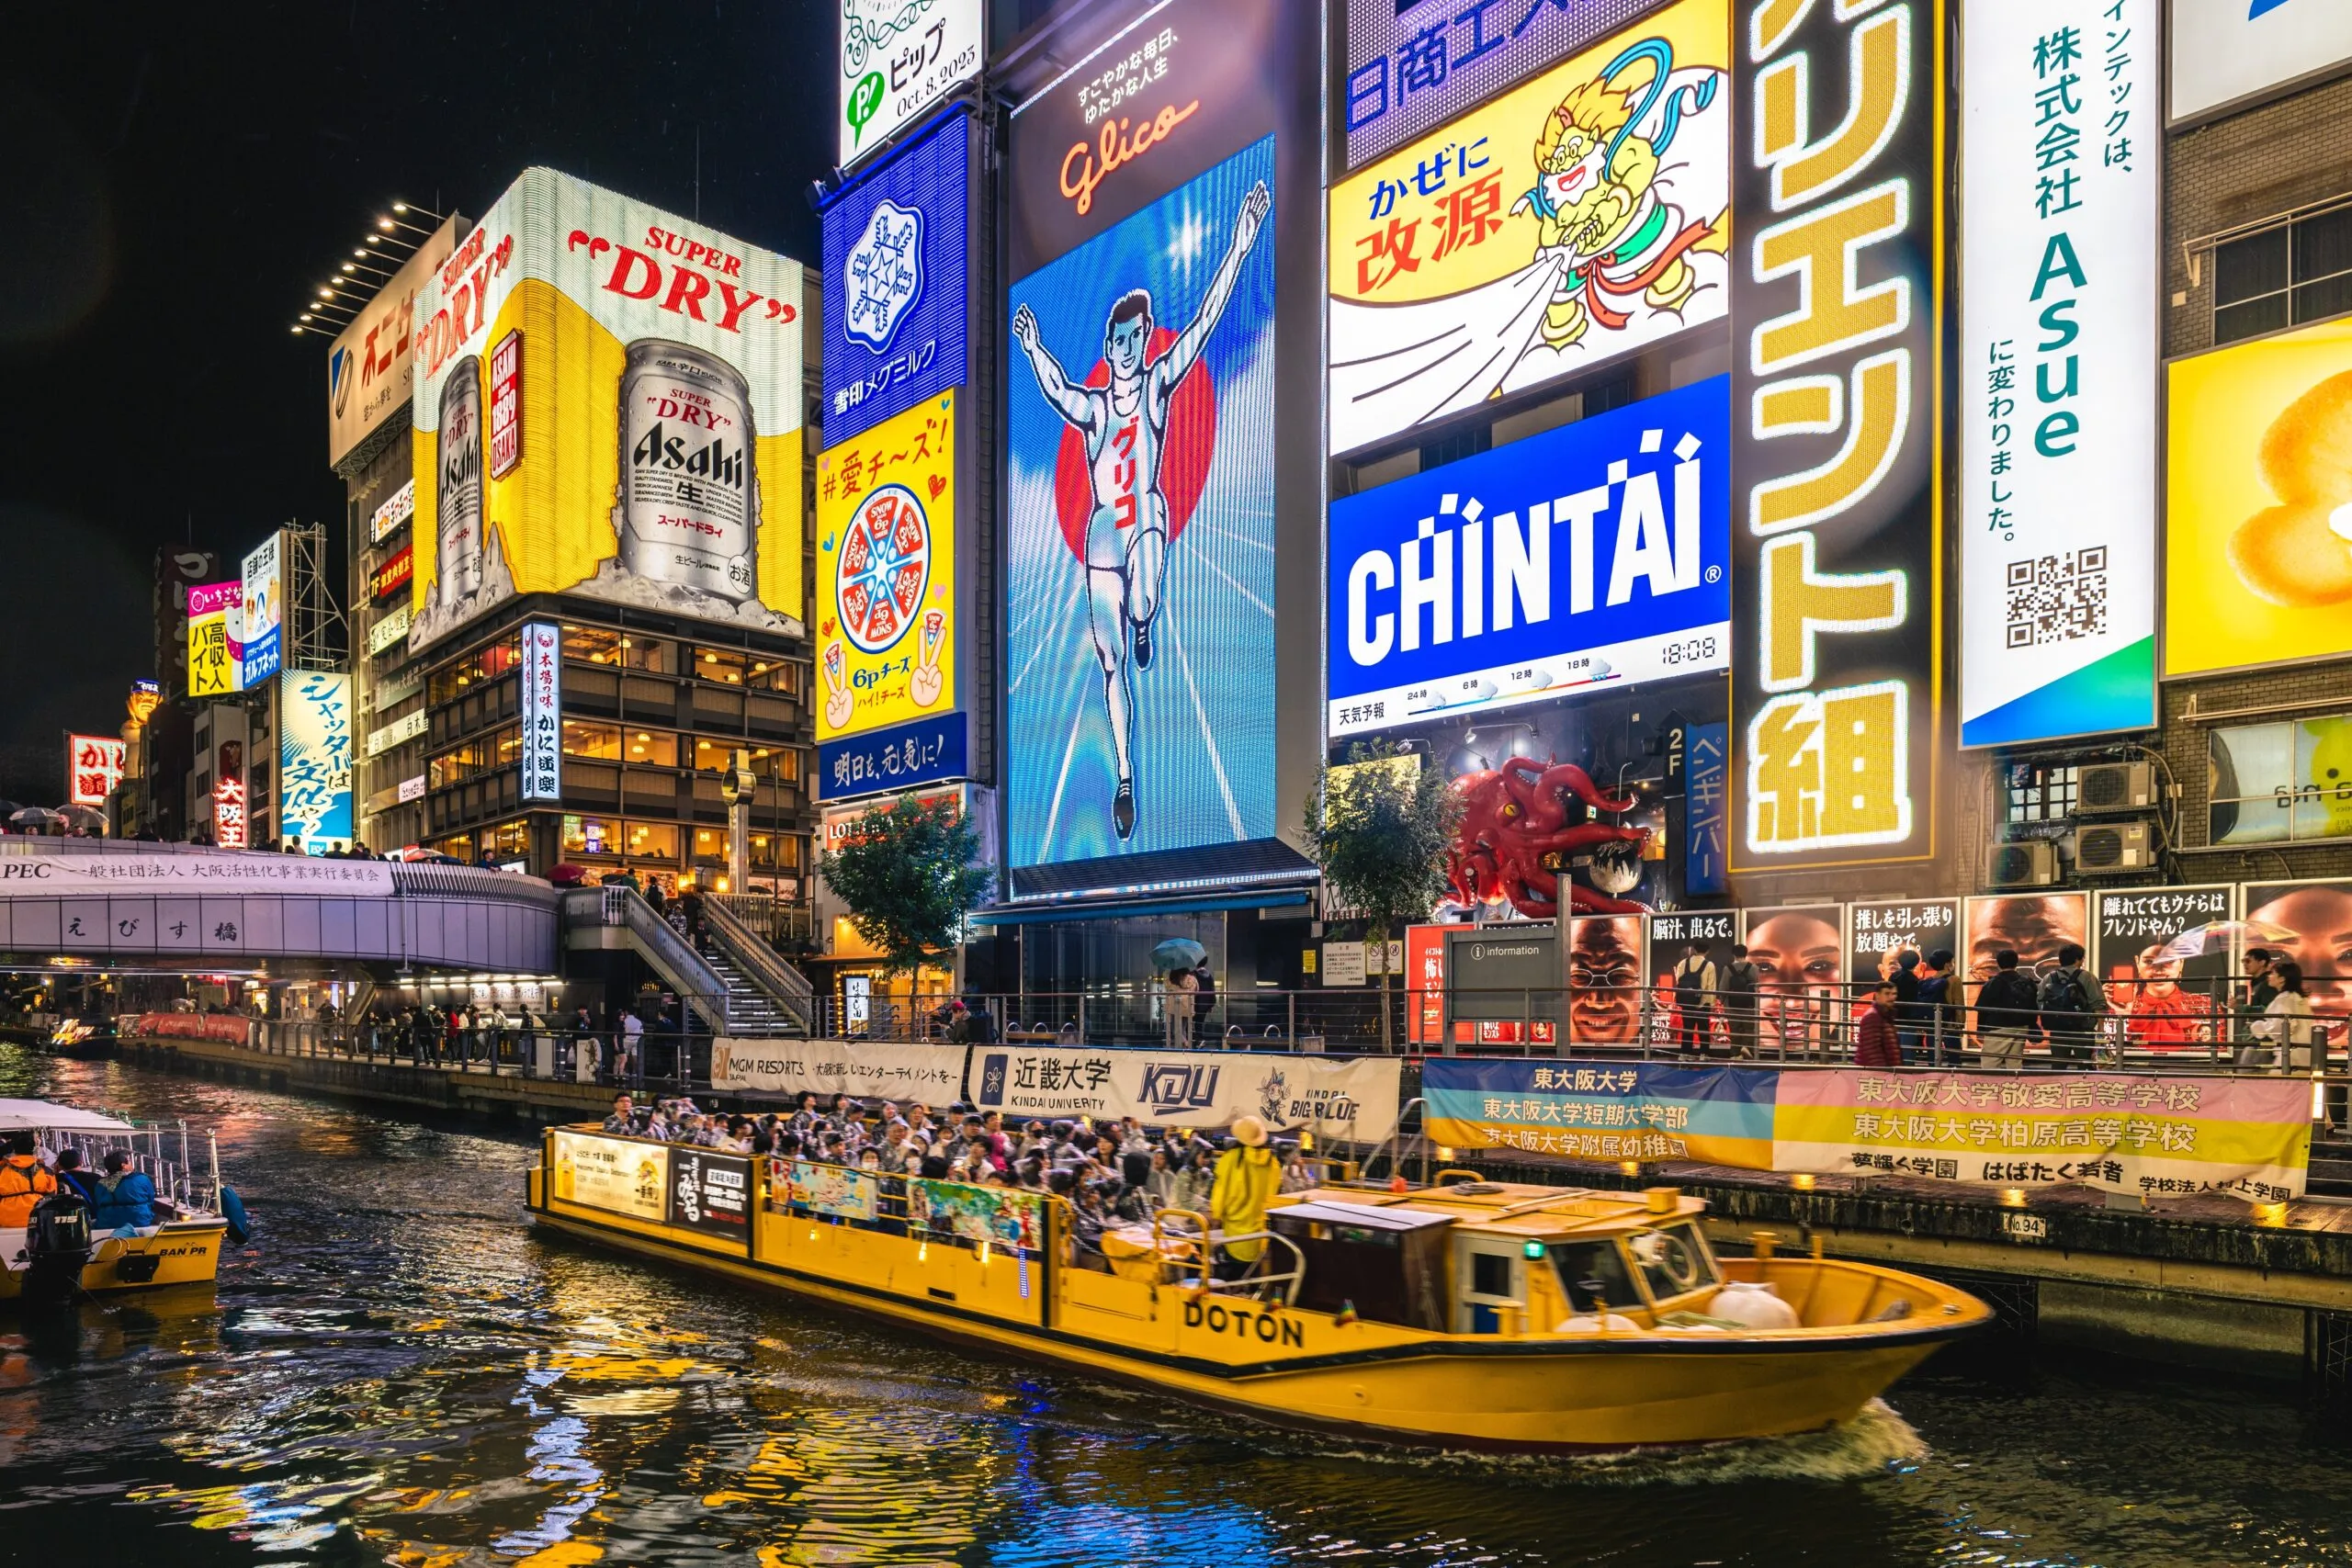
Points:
(115, 903)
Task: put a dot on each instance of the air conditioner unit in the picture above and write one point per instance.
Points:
(2107, 787)
(2031, 863)
(2113, 848)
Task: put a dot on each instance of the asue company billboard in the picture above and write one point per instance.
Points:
(1591, 555)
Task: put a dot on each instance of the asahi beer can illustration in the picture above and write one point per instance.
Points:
(688, 504)
(459, 491)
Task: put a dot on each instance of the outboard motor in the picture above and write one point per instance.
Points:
(58, 1245)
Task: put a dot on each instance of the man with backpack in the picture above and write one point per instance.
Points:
(2071, 1007)
(1694, 999)
(1738, 993)
(2007, 1008)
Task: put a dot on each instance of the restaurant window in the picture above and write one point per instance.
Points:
(2283, 276)
(2271, 784)
(722, 665)
(776, 851)
(469, 675)
(506, 841)
(779, 765)
(613, 742)
(591, 835)
(774, 676)
(611, 836)
(625, 651)
(710, 844)
(651, 841)
(482, 754)
(458, 846)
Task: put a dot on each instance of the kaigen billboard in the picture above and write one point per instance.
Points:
(1593, 555)
(1837, 507)
(657, 381)
(886, 573)
(2257, 549)
(1413, 64)
(2059, 205)
(897, 283)
(1140, 565)
(93, 768)
(315, 758)
(1573, 220)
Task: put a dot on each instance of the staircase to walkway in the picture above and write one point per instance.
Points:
(750, 1008)
(731, 977)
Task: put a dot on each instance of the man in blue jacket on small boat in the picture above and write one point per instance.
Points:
(126, 1198)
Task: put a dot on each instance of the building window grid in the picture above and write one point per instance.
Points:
(2283, 276)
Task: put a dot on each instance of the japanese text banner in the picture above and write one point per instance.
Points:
(2121, 1133)
(933, 1074)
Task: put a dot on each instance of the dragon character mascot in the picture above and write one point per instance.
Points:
(1525, 824)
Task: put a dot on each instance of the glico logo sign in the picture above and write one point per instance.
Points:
(1088, 163)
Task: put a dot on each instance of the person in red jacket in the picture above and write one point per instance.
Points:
(1875, 1042)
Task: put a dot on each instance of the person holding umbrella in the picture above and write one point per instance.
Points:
(1176, 959)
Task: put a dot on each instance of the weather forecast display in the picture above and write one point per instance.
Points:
(1141, 554)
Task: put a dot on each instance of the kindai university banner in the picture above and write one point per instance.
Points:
(2120, 1132)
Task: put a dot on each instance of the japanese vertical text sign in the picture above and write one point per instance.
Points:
(897, 292)
(93, 768)
(315, 756)
(2058, 252)
(216, 623)
(1837, 522)
(886, 573)
(542, 711)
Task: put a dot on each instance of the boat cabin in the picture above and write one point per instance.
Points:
(1498, 1258)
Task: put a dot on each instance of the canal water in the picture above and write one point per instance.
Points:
(398, 1369)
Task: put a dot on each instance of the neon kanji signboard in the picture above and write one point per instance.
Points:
(93, 767)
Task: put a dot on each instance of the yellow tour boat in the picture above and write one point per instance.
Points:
(1467, 1314)
(182, 1248)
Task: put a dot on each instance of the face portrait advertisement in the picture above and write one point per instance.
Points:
(1799, 953)
(2163, 957)
(2311, 923)
(2036, 924)
(1604, 979)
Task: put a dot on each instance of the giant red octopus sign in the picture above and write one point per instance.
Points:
(1525, 824)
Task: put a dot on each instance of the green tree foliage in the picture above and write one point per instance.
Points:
(1379, 827)
(909, 873)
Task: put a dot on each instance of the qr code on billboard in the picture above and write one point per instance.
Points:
(2057, 598)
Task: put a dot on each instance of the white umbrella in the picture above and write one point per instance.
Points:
(39, 1115)
(36, 817)
(83, 816)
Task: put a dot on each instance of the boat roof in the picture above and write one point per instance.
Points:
(41, 1115)
(1331, 1212)
(1516, 1208)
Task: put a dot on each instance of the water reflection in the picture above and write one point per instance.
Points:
(400, 1370)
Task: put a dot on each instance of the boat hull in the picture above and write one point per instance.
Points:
(180, 1254)
(1366, 1381)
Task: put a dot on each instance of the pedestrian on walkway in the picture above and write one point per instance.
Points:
(1694, 999)
(2285, 1029)
(2072, 1005)
(2007, 1006)
(1936, 1014)
(1875, 1042)
(1737, 996)
(1182, 986)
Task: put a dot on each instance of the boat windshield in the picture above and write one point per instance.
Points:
(1593, 1275)
(1673, 1260)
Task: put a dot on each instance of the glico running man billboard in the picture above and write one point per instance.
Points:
(1594, 555)
(1576, 219)
(1142, 553)
(608, 403)
(1161, 671)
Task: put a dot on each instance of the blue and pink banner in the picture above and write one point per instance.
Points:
(2134, 1133)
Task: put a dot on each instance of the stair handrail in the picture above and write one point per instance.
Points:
(785, 986)
(672, 956)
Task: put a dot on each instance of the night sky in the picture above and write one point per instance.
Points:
(179, 179)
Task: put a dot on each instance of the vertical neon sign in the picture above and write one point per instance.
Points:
(1837, 297)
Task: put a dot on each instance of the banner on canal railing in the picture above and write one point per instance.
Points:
(2133, 1132)
(228, 1028)
(1352, 1098)
(933, 1074)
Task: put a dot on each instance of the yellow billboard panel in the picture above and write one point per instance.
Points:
(608, 403)
(1579, 216)
(2259, 520)
(886, 573)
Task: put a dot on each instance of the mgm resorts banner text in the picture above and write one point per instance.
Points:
(2134, 1133)
(1837, 522)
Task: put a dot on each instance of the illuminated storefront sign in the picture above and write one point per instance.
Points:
(370, 367)
(216, 620)
(408, 727)
(396, 511)
(389, 632)
(229, 812)
(542, 711)
(1838, 522)
(2060, 211)
(93, 768)
(394, 573)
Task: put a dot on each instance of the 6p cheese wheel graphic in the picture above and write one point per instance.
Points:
(885, 568)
